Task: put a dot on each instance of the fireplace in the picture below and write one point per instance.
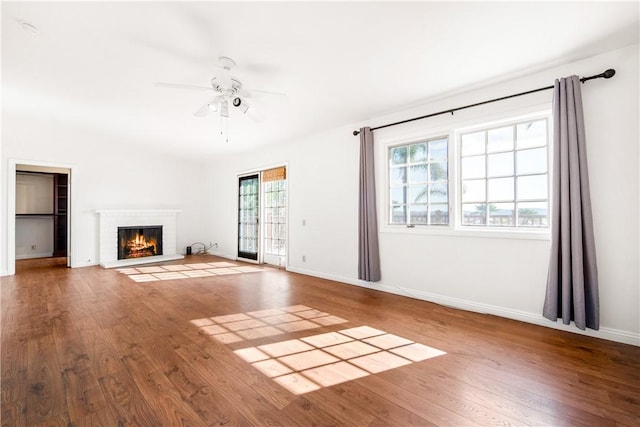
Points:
(139, 241)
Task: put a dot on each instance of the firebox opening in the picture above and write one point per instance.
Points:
(139, 241)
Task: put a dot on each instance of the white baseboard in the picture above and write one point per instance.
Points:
(37, 255)
(610, 334)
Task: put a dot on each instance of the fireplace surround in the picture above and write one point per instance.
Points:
(110, 246)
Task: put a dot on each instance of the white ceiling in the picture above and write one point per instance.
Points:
(93, 64)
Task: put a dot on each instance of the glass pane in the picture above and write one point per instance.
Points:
(267, 200)
(398, 214)
(268, 248)
(532, 161)
(500, 139)
(532, 187)
(532, 134)
(438, 171)
(282, 214)
(473, 167)
(398, 155)
(418, 214)
(474, 214)
(418, 194)
(398, 175)
(501, 214)
(398, 195)
(438, 193)
(500, 189)
(418, 173)
(439, 214)
(282, 231)
(438, 149)
(474, 190)
(472, 143)
(533, 214)
(418, 153)
(500, 164)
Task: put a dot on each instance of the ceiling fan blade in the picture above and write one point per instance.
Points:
(181, 86)
(263, 92)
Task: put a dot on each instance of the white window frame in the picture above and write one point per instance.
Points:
(510, 121)
(390, 138)
(427, 184)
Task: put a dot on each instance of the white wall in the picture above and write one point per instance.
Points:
(502, 276)
(34, 194)
(107, 173)
(34, 237)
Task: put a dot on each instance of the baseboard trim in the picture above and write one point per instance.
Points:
(36, 255)
(610, 334)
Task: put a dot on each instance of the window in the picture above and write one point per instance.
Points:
(499, 181)
(418, 183)
(503, 177)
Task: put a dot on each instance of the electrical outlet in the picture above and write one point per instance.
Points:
(33, 247)
(304, 258)
(215, 245)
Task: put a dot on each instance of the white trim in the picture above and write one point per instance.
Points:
(11, 210)
(617, 335)
(38, 255)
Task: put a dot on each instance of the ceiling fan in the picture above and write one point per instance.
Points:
(228, 91)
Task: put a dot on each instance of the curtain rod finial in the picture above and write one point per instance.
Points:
(356, 132)
(609, 73)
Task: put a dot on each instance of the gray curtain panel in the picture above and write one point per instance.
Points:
(368, 252)
(572, 283)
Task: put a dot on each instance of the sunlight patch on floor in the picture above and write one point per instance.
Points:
(185, 271)
(307, 364)
(233, 328)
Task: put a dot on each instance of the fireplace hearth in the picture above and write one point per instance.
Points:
(139, 241)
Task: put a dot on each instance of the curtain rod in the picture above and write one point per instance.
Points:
(607, 75)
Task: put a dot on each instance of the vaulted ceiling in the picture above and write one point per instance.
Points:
(94, 64)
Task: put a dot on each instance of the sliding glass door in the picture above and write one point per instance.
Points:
(248, 216)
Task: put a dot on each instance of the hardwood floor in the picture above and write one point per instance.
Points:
(91, 346)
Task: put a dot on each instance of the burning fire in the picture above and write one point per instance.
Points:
(139, 246)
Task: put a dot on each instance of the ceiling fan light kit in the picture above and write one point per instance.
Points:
(228, 89)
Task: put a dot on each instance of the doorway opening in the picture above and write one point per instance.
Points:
(39, 211)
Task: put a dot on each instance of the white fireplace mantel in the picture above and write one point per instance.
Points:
(110, 219)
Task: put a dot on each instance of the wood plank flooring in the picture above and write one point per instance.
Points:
(89, 346)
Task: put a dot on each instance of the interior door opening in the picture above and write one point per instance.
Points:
(41, 213)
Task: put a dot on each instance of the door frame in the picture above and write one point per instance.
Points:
(11, 209)
(251, 176)
(259, 171)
